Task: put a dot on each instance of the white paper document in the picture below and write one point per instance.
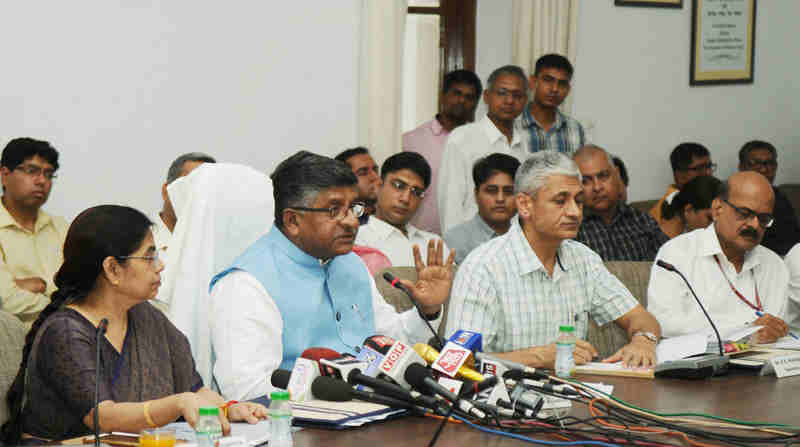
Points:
(676, 348)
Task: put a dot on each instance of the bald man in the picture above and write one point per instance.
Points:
(613, 229)
(738, 280)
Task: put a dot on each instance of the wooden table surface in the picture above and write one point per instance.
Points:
(737, 395)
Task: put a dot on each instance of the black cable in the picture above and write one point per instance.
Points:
(441, 426)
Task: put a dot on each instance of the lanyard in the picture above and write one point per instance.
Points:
(756, 307)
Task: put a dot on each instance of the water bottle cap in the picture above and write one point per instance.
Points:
(279, 395)
(566, 329)
(209, 411)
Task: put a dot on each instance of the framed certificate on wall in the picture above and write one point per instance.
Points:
(723, 42)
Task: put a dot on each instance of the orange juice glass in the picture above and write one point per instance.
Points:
(157, 437)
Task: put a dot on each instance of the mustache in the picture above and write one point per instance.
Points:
(749, 233)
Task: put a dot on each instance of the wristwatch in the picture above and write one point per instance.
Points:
(648, 335)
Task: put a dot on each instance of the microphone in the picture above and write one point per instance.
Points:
(396, 284)
(699, 367)
(526, 371)
(101, 331)
(420, 378)
(526, 399)
(280, 378)
(477, 387)
(397, 360)
(335, 390)
(447, 360)
(560, 389)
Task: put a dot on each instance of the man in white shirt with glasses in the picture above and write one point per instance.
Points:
(405, 177)
(738, 281)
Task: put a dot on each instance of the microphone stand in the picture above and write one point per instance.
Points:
(101, 330)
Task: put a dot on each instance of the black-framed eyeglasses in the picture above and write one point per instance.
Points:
(703, 167)
(34, 171)
(764, 219)
(403, 186)
(336, 212)
(756, 163)
(154, 258)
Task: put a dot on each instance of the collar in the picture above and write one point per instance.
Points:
(384, 229)
(528, 262)
(293, 251)
(6, 220)
(528, 120)
(436, 127)
(709, 246)
(482, 226)
(494, 134)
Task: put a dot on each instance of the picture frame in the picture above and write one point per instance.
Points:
(723, 42)
(651, 3)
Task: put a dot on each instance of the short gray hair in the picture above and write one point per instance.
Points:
(536, 169)
(177, 166)
(511, 70)
(593, 147)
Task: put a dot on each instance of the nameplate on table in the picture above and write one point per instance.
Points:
(785, 365)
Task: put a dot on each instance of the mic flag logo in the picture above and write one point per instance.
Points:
(468, 339)
(451, 359)
(391, 358)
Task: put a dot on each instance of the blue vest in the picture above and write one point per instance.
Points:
(321, 305)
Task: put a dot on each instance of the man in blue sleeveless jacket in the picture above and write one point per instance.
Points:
(300, 285)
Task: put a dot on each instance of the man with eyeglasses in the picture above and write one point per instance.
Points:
(300, 286)
(30, 239)
(550, 129)
(505, 96)
(405, 179)
(762, 157)
(738, 281)
(688, 160)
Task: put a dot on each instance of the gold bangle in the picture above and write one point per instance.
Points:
(146, 411)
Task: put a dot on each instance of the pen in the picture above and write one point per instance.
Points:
(791, 334)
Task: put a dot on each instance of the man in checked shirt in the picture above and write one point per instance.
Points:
(613, 229)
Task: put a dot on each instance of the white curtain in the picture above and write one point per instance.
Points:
(541, 27)
(381, 76)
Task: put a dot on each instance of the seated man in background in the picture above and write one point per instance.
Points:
(164, 223)
(688, 160)
(518, 288)
(784, 233)
(494, 194)
(461, 90)
(738, 281)
(405, 177)
(30, 239)
(299, 286)
(366, 170)
(613, 229)
(505, 96)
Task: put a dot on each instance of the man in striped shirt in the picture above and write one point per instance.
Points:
(549, 128)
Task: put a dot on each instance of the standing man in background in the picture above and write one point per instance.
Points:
(31, 240)
(784, 233)
(551, 130)
(366, 171)
(461, 90)
(505, 96)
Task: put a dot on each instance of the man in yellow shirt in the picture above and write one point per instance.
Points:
(31, 240)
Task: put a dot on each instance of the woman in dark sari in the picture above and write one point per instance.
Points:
(147, 374)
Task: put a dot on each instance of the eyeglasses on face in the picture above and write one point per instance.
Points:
(764, 219)
(154, 259)
(515, 95)
(756, 163)
(35, 171)
(703, 167)
(336, 212)
(403, 186)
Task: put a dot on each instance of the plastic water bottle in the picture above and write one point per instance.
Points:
(208, 430)
(565, 345)
(280, 420)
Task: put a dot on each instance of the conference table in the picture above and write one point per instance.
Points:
(740, 395)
